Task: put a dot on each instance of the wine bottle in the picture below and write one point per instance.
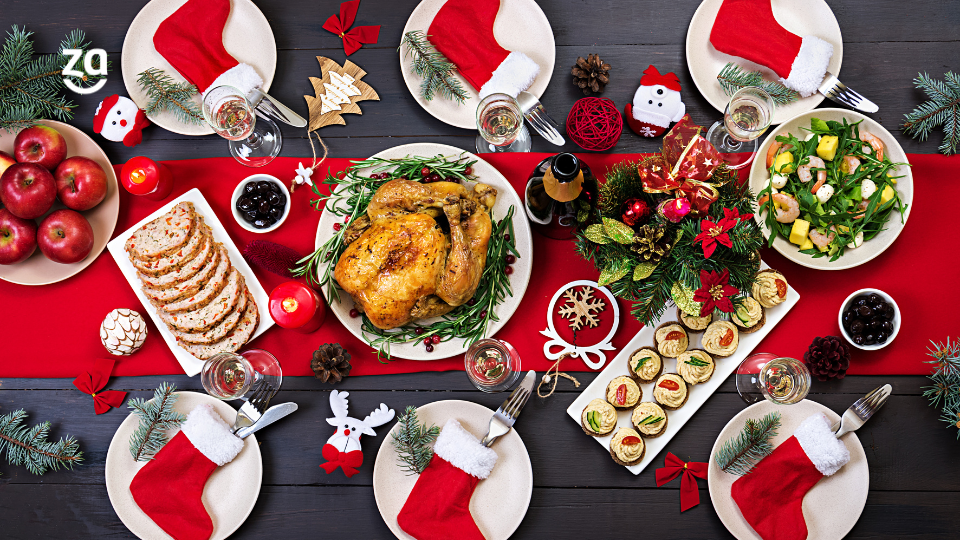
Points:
(560, 196)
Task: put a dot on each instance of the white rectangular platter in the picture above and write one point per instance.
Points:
(191, 365)
(699, 393)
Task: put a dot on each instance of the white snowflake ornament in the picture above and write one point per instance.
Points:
(556, 346)
(303, 175)
(123, 332)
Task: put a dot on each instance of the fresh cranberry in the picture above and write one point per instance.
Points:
(427, 340)
(435, 339)
(429, 348)
(510, 259)
(424, 172)
(471, 301)
(508, 270)
(418, 331)
(354, 313)
(346, 219)
(468, 171)
(434, 177)
(506, 237)
(483, 314)
(337, 226)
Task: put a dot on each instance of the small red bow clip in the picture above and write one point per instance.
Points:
(673, 467)
(92, 381)
(349, 461)
(353, 38)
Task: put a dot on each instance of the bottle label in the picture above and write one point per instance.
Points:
(562, 192)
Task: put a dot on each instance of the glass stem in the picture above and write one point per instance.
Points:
(254, 140)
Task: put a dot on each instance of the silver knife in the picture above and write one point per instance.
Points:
(270, 416)
(840, 93)
(269, 105)
(502, 421)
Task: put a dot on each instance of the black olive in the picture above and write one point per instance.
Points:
(869, 339)
(256, 198)
(250, 187)
(860, 301)
(263, 186)
(274, 199)
(264, 207)
(244, 204)
(274, 187)
(858, 339)
(881, 337)
(874, 297)
(261, 222)
(856, 326)
(275, 212)
(888, 312)
(887, 327)
(865, 311)
(250, 216)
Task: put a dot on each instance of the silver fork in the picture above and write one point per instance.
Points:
(839, 92)
(861, 410)
(252, 410)
(506, 415)
(538, 118)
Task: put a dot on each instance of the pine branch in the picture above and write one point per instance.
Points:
(739, 455)
(29, 446)
(166, 94)
(433, 67)
(732, 78)
(156, 417)
(943, 109)
(411, 440)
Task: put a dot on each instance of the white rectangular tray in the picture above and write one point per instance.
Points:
(699, 393)
(191, 365)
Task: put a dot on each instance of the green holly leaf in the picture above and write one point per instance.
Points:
(582, 215)
(595, 234)
(683, 297)
(613, 272)
(643, 270)
(619, 232)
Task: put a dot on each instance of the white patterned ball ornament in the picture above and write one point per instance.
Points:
(123, 331)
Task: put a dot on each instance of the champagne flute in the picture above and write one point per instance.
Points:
(747, 116)
(253, 142)
(230, 375)
(500, 121)
(784, 381)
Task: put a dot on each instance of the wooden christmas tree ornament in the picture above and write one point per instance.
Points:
(337, 93)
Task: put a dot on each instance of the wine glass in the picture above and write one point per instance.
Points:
(782, 380)
(229, 375)
(500, 121)
(254, 141)
(747, 116)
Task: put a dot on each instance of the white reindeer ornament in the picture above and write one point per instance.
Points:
(343, 447)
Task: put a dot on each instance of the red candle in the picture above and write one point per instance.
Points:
(295, 306)
(144, 176)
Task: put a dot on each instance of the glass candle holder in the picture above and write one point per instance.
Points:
(145, 177)
(295, 306)
(492, 365)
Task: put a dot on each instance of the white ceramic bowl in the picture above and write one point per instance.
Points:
(238, 192)
(896, 319)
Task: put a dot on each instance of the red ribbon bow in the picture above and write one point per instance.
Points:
(92, 381)
(673, 467)
(353, 38)
(349, 461)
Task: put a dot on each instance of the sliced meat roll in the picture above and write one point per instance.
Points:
(210, 314)
(235, 339)
(190, 287)
(164, 235)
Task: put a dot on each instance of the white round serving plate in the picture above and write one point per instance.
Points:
(830, 509)
(520, 26)
(39, 270)
(870, 249)
(229, 495)
(246, 36)
(506, 197)
(500, 501)
(802, 17)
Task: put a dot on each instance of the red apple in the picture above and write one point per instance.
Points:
(6, 160)
(27, 190)
(18, 237)
(65, 236)
(81, 183)
(40, 144)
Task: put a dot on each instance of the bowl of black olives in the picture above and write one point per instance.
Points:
(869, 319)
(260, 203)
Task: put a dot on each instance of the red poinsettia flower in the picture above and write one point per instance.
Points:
(732, 214)
(715, 292)
(711, 233)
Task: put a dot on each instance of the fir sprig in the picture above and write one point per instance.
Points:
(944, 393)
(739, 455)
(166, 94)
(733, 78)
(433, 67)
(156, 417)
(411, 441)
(942, 109)
(29, 446)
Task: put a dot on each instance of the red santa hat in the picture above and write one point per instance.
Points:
(652, 77)
(191, 40)
(748, 29)
(132, 137)
(463, 31)
(101, 115)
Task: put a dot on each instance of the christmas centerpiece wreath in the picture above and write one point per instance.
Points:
(675, 226)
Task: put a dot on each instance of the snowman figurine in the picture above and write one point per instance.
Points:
(656, 104)
(119, 119)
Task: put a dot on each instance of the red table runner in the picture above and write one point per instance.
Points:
(48, 329)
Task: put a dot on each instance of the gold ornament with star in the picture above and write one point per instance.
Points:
(337, 93)
(581, 309)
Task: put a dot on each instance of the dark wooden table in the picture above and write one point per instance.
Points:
(578, 491)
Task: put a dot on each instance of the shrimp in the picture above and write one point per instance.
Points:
(849, 164)
(874, 143)
(861, 209)
(787, 207)
(775, 148)
(805, 175)
(820, 239)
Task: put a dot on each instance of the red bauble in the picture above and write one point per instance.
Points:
(594, 123)
(635, 211)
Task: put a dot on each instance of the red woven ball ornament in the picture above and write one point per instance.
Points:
(594, 123)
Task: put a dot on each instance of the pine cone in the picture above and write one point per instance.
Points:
(650, 243)
(828, 358)
(331, 363)
(590, 75)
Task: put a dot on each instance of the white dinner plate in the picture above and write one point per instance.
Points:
(520, 26)
(830, 509)
(246, 36)
(191, 365)
(499, 502)
(228, 496)
(39, 270)
(506, 197)
(802, 17)
(759, 178)
(698, 393)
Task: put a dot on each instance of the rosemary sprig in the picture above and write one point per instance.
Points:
(650, 420)
(696, 362)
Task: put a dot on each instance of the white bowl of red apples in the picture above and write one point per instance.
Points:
(32, 180)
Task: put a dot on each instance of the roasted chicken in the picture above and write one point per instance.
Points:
(419, 251)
